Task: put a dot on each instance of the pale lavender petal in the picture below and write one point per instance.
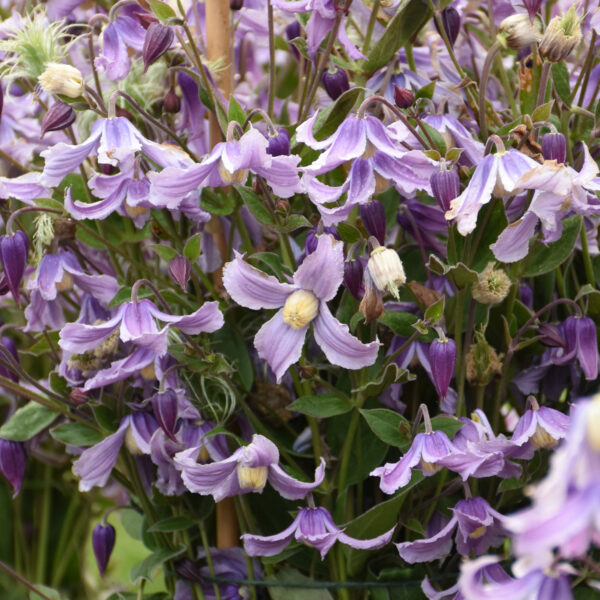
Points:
(94, 210)
(512, 165)
(138, 319)
(207, 318)
(114, 59)
(378, 135)
(79, 337)
(249, 152)
(513, 243)
(130, 30)
(121, 369)
(119, 141)
(396, 475)
(102, 287)
(289, 487)
(304, 135)
(282, 175)
(549, 207)
(322, 271)
(339, 345)
(251, 287)
(279, 344)
(270, 545)
(554, 422)
(431, 548)
(371, 544)
(142, 426)
(362, 182)
(24, 188)
(321, 193)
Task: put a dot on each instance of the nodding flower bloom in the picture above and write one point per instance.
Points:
(135, 322)
(247, 470)
(497, 174)
(478, 526)
(544, 427)
(302, 302)
(314, 527)
(228, 163)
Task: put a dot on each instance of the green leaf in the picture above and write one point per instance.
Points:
(236, 112)
(42, 345)
(27, 421)
(348, 233)
(388, 426)
(546, 258)
(193, 247)
(176, 523)
(542, 113)
(255, 205)
(392, 374)
(449, 425)
(229, 342)
(124, 295)
(293, 222)
(435, 312)
(426, 91)
(48, 593)
(165, 252)
(145, 569)
(288, 575)
(560, 76)
(162, 10)
(435, 136)
(321, 406)
(76, 434)
(403, 26)
(217, 203)
(329, 120)
(401, 323)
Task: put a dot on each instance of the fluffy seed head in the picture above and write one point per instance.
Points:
(492, 287)
(59, 78)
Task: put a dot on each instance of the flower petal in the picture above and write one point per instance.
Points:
(289, 487)
(513, 243)
(270, 545)
(206, 319)
(425, 550)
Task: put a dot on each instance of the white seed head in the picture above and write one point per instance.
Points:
(386, 270)
(519, 31)
(562, 35)
(493, 286)
(300, 308)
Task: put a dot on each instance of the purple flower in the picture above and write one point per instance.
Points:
(247, 470)
(313, 527)
(478, 526)
(103, 542)
(13, 257)
(540, 425)
(25, 188)
(12, 463)
(442, 361)
(316, 281)
(158, 40)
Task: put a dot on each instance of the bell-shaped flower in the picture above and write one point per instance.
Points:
(13, 258)
(543, 426)
(302, 302)
(12, 463)
(247, 470)
(497, 174)
(103, 542)
(314, 527)
(228, 163)
(478, 527)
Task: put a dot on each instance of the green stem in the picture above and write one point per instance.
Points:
(209, 561)
(371, 26)
(587, 261)
(458, 326)
(271, 58)
(347, 449)
(24, 581)
(44, 526)
(485, 75)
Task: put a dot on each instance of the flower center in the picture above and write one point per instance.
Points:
(429, 468)
(300, 309)
(236, 178)
(593, 424)
(477, 533)
(252, 478)
(542, 439)
(65, 283)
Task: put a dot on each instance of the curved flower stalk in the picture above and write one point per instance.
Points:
(314, 527)
(247, 470)
(304, 301)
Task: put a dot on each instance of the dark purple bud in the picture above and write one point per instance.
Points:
(157, 41)
(179, 270)
(442, 358)
(310, 244)
(107, 169)
(279, 144)
(532, 6)
(335, 82)
(292, 31)
(146, 19)
(554, 147)
(373, 218)
(164, 407)
(451, 22)
(403, 97)
(550, 336)
(236, 4)
(445, 186)
(103, 542)
(8, 344)
(353, 277)
(12, 463)
(59, 116)
(13, 257)
(171, 102)
(587, 347)
(526, 294)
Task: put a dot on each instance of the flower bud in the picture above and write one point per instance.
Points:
(482, 361)
(335, 82)
(442, 358)
(171, 102)
(532, 6)
(373, 218)
(58, 78)
(157, 41)
(550, 336)
(236, 4)
(59, 116)
(403, 97)
(492, 287)
(445, 186)
(164, 407)
(12, 463)
(353, 277)
(13, 257)
(292, 31)
(371, 305)
(103, 542)
(562, 35)
(518, 31)
(8, 344)
(180, 269)
(587, 347)
(279, 144)
(451, 23)
(312, 237)
(554, 147)
(300, 308)
(386, 270)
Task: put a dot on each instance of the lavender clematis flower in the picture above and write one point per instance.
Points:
(247, 470)
(314, 527)
(541, 425)
(279, 341)
(498, 174)
(13, 258)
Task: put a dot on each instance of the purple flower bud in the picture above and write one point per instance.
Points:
(373, 218)
(12, 463)
(179, 270)
(236, 4)
(451, 22)
(164, 407)
(279, 144)
(59, 116)
(9, 345)
(171, 102)
(550, 336)
(353, 277)
(335, 82)
(13, 257)
(526, 294)
(587, 347)
(103, 542)
(293, 30)
(442, 358)
(532, 6)
(403, 97)
(554, 147)
(157, 41)
(312, 238)
(445, 186)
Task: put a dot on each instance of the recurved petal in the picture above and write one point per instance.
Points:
(289, 487)
(513, 243)
(207, 318)
(371, 544)
(431, 548)
(79, 337)
(258, 545)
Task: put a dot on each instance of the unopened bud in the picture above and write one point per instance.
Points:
(335, 82)
(492, 287)
(157, 41)
(180, 269)
(372, 215)
(554, 147)
(371, 305)
(550, 336)
(13, 257)
(482, 361)
(518, 31)
(58, 78)
(171, 102)
(103, 542)
(12, 463)
(451, 23)
(562, 35)
(236, 4)
(279, 144)
(445, 186)
(164, 407)
(386, 270)
(59, 116)
(292, 31)
(403, 97)
(9, 345)
(442, 358)
(353, 277)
